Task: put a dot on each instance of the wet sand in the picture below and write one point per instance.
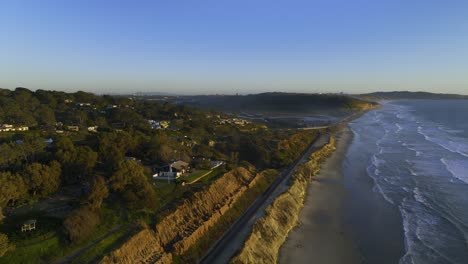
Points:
(320, 236)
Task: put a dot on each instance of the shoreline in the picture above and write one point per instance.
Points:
(270, 231)
(320, 234)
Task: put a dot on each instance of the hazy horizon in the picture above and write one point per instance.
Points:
(240, 47)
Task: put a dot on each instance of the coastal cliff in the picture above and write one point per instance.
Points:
(270, 231)
(190, 221)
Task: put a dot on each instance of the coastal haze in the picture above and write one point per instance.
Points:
(229, 47)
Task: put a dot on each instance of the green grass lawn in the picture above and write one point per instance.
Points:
(207, 178)
(37, 253)
(192, 177)
(47, 243)
(214, 174)
(104, 247)
(169, 192)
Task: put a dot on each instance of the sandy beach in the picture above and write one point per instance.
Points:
(320, 235)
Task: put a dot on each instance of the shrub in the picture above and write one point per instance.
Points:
(5, 245)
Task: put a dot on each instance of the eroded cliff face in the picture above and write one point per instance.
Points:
(270, 231)
(181, 229)
(143, 247)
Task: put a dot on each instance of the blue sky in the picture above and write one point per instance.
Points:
(229, 46)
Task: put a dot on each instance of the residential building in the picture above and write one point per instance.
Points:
(11, 128)
(172, 170)
(73, 128)
(93, 129)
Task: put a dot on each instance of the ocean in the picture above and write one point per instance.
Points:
(406, 173)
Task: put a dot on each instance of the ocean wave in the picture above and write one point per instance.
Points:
(458, 168)
(399, 128)
(451, 131)
(410, 168)
(409, 240)
(434, 217)
(378, 189)
(376, 161)
(446, 141)
(373, 173)
(406, 115)
(424, 241)
(417, 152)
(418, 196)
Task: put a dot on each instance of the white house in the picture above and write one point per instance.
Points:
(171, 171)
(93, 129)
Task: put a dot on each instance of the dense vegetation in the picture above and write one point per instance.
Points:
(281, 103)
(94, 174)
(410, 95)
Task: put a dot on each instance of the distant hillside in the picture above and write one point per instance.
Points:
(280, 103)
(397, 95)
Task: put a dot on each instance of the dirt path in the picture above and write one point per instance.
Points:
(70, 257)
(199, 178)
(78, 252)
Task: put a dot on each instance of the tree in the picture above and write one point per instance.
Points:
(113, 147)
(86, 159)
(64, 144)
(129, 117)
(76, 161)
(5, 245)
(15, 154)
(45, 116)
(12, 188)
(85, 97)
(97, 194)
(43, 179)
(160, 148)
(15, 114)
(81, 117)
(112, 158)
(132, 183)
(80, 224)
(46, 98)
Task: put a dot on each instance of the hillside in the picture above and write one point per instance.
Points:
(401, 95)
(279, 103)
(78, 169)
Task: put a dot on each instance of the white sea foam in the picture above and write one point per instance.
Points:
(458, 168)
(399, 128)
(406, 145)
(378, 189)
(449, 130)
(376, 161)
(446, 141)
(418, 196)
(418, 188)
(423, 242)
(408, 229)
(373, 173)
